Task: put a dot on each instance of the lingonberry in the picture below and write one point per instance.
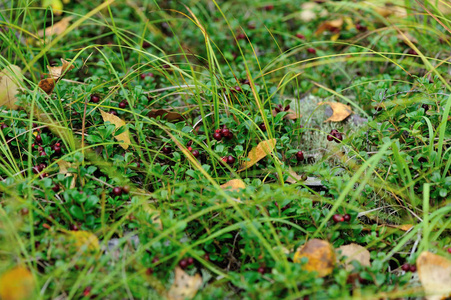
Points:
(189, 143)
(207, 256)
(246, 81)
(95, 99)
(237, 88)
(166, 150)
(117, 191)
(311, 50)
(217, 136)
(240, 36)
(230, 160)
(261, 270)
(225, 132)
(190, 261)
(360, 27)
(57, 149)
(38, 139)
(149, 271)
(113, 112)
(74, 227)
(190, 148)
(122, 104)
(155, 260)
(269, 7)
(183, 263)
(405, 267)
(413, 268)
(56, 188)
(126, 189)
(40, 149)
(229, 136)
(425, 107)
(42, 153)
(300, 36)
(262, 126)
(338, 137)
(87, 291)
(287, 108)
(42, 166)
(3, 126)
(195, 153)
(449, 250)
(300, 156)
(347, 217)
(338, 218)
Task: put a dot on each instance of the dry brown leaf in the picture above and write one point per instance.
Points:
(184, 286)
(10, 79)
(234, 184)
(118, 122)
(434, 272)
(17, 284)
(57, 72)
(47, 85)
(57, 28)
(294, 177)
(166, 115)
(341, 111)
(334, 26)
(310, 11)
(320, 254)
(387, 9)
(260, 151)
(354, 252)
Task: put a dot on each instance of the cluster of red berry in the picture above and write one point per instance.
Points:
(144, 75)
(194, 152)
(408, 267)
(224, 132)
(117, 191)
(186, 262)
(341, 218)
(335, 135)
(279, 108)
(229, 159)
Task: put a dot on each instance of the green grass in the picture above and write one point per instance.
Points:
(224, 63)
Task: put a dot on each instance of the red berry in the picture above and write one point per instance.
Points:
(166, 150)
(225, 131)
(3, 126)
(87, 291)
(126, 189)
(229, 136)
(240, 36)
(40, 149)
(190, 148)
(413, 268)
(360, 27)
(338, 137)
(300, 36)
(38, 139)
(117, 191)
(347, 217)
(189, 143)
(217, 136)
(261, 270)
(207, 257)
(405, 267)
(74, 227)
(262, 127)
(56, 188)
(155, 260)
(449, 250)
(113, 112)
(195, 153)
(57, 149)
(300, 156)
(251, 26)
(269, 7)
(338, 218)
(237, 88)
(149, 271)
(122, 104)
(230, 160)
(95, 99)
(287, 108)
(190, 261)
(58, 144)
(311, 50)
(246, 81)
(183, 263)
(43, 153)
(219, 130)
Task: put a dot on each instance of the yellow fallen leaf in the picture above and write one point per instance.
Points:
(166, 115)
(155, 215)
(118, 122)
(340, 111)
(434, 272)
(64, 166)
(333, 25)
(404, 227)
(387, 9)
(293, 177)
(320, 254)
(234, 184)
(85, 238)
(260, 151)
(354, 252)
(57, 72)
(17, 284)
(57, 28)
(10, 79)
(184, 286)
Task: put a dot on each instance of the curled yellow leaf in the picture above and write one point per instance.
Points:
(124, 137)
(320, 254)
(184, 286)
(340, 111)
(17, 284)
(259, 152)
